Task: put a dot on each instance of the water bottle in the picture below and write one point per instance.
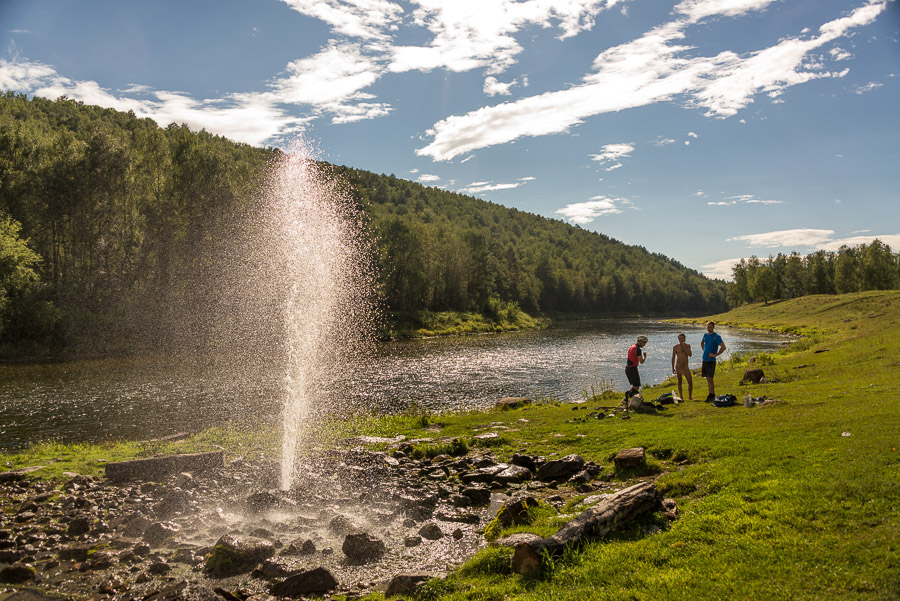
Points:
(748, 400)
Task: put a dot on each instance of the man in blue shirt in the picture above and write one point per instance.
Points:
(712, 346)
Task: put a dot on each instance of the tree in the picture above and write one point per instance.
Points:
(846, 270)
(878, 267)
(794, 276)
(765, 283)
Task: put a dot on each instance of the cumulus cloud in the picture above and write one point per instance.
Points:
(872, 85)
(651, 69)
(892, 240)
(611, 153)
(249, 118)
(749, 199)
(428, 177)
(367, 19)
(582, 213)
(839, 54)
(721, 270)
(493, 87)
(795, 237)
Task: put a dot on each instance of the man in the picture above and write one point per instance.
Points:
(712, 346)
(636, 356)
(681, 352)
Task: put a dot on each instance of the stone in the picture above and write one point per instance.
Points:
(136, 526)
(183, 591)
(79, 526)
(412, 541)
(310, 582)
(160, 531)
(158, 468)
(560, 469)
(630, 458)
(300, 547)
(260, 501)
(515, 511)
(512, 402)
(514, 473)
(478, 495)
(402, 584)
(363, 547)
(754, 375)
(522, 460)
(457, 534)
(488, 436)
(17, 573)
(431, 531)
(75, 552)
(484, 474)
(19, 474)
(273, 567)
(236, 554)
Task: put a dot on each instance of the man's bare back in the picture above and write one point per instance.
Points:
(681, 352)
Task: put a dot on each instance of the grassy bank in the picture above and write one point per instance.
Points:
(506, 317)
(793, 499)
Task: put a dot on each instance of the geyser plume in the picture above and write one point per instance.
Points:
(315, 264)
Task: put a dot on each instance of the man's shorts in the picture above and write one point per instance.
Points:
(708, 369)
(634, 378)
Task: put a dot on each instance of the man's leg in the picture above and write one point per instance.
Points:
(711, 385)
(690, 380)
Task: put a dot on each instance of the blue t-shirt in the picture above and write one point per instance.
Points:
(711, 343)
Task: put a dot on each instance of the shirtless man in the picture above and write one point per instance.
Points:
(680, 354)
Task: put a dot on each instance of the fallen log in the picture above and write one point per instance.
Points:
(607, 515)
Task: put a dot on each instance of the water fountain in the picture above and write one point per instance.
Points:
(315, 262)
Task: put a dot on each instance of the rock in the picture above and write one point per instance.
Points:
(175, 502)
(484, 474)
(183, 591)
(300, 547)
(406, 583)
(670, 509)
(513, 473)
(754, 375)
(236, 554)
(159, 568)
(412, 541)
(487, 437)
(158, 468)
(79, 526)
(630, 458)
(479, 496)
(136, 526)
(160, 531)
(515, 511)
(273, 567)
(431, 531)
(560, 469)
(184, 481)
(17, 573)
(310, 582)
(460, 501)
(523, 460)
(514, 539)
(260, 501)
(363, 547)
(19, 474)
(75, 552)
(512, 402)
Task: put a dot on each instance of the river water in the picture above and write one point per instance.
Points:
(146, 397)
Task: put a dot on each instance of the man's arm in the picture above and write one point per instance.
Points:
(721, 349)
(673, 358)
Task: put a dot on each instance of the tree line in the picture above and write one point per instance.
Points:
(871, 266)
(105, 217)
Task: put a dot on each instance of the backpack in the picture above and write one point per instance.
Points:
(725, 400)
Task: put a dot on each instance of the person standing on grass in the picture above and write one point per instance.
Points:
(712, 346)
(636, 356)
(681, 352)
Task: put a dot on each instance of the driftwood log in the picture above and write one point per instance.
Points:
(610, 513)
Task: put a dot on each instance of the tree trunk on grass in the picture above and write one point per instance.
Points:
(610, 513)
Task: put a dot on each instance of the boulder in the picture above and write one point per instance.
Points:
(17, 573)
(160, 531)
(560, 469)
(237, 554)
(514, 473)
(754, 375)
(630, 458)
(478, 495)
(402, 584)
(310, 582)
(512, 402)
(515, 511)
(363, 547)
(431, 531)
(522, 460)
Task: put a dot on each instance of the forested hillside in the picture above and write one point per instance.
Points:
(110, 226)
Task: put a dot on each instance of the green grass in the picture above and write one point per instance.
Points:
(774, 501)
(424, 324)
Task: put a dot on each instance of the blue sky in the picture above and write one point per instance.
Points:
(706, 130)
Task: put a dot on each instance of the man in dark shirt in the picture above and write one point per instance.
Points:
(635, 357)
(712, 346)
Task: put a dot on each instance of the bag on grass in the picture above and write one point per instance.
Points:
(725, 400)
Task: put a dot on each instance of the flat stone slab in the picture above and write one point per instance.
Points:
(19, 474)
(512, 402)
(627, 458)
(155, 468)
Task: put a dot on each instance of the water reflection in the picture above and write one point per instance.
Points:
(154, 396)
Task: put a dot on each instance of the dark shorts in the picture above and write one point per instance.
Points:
(708, 369)
(634, 378)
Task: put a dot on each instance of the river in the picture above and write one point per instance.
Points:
(146, 397)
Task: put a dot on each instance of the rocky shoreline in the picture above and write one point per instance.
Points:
(357, 521)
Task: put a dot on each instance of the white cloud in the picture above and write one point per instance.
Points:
(648, 70)
(872, 85)
(720, 269)
(749, 199)
(796, 237)
(493, 87)
(611, 153)
(583, 213)
(473, 34)
(892, 240)
(692, 135)
(367, 19)
(428, 177)
(481, 187)
(839, 54)
(530, 178)
(413, 170)
(663, 141)
(249, 118)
